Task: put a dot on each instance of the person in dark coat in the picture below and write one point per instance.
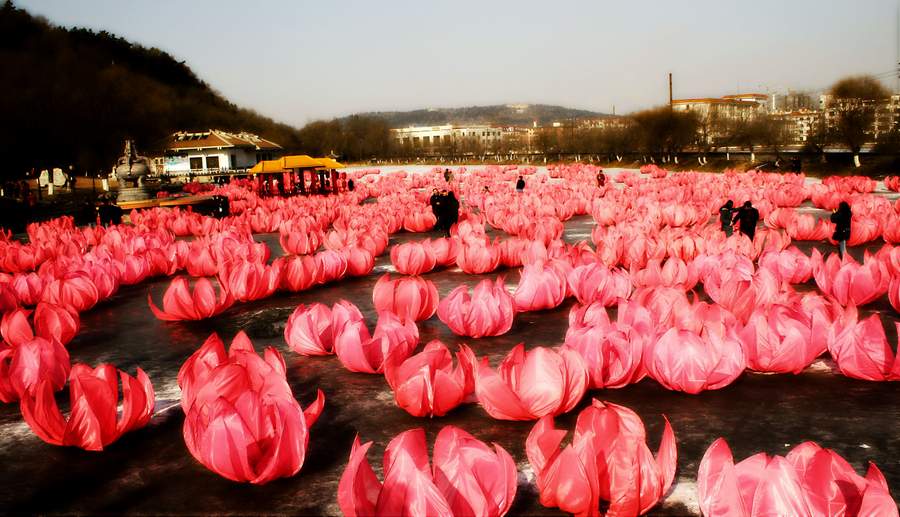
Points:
(726, 215)
(601, 179)
(25, 189)
(323, 183)
(520, 185)
(437, 207)
(109, 213)
(350, 185)
(841, 219)
(747, 216)
(451, 211)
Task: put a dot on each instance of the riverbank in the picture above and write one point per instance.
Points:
(81, 201)
(835, 165)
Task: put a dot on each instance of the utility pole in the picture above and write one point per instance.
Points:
(670, 90)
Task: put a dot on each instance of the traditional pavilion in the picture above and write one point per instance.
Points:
(299, 174)
(215, 152)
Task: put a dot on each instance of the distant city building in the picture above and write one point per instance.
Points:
(886, 119)
(793, 101)
(215, 151)
(760, 99)
(731, 107)
(517, 138)
(610, 122)
(448, 137)
(716, 114)
(801, 114)
(520, 108)
(798, 124)
(887, 116)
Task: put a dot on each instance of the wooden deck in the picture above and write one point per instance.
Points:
(164, 202)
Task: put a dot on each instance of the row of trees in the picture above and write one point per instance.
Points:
(856, 115)
(657, 133)
(354, 138)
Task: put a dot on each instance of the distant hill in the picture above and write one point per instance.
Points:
(71, 96)
(502, 114)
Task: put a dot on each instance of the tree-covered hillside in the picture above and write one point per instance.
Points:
(501, 114)
(71, 96)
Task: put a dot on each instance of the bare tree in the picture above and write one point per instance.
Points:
(755, 132)
(664, 133)
(853, 105)
(683, 132)
(774, 134)
(546, 141)
(818, 138)
(725, 134)
(619, 140)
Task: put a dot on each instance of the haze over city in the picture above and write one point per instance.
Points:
(300, 61)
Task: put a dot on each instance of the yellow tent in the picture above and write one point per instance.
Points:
(330, 163)
(268, 166)
(300, 161)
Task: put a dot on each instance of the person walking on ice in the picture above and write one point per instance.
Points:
(747, 217)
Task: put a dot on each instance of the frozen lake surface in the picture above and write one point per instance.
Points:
(150, 471)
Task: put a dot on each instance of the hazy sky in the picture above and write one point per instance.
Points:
(302, 60)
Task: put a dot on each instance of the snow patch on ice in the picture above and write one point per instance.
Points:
(387, 268)
(169, 390)
(821, 365)
(18, 430)
(385, 396)
(684, 494)
(165, 406)
(526, 474)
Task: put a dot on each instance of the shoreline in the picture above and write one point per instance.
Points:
(876, 167)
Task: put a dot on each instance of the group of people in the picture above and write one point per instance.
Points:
(747, 217)
(520, 183)
(446, 209)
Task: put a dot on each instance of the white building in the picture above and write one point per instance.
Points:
(761, 99)
(715, 114)
(732, 107)
(449, 137)
(799, 124)
(608, 122)
(886, 116)
(216, 151)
